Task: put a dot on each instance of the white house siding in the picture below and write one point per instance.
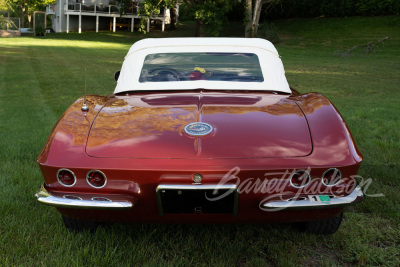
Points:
(61, 15)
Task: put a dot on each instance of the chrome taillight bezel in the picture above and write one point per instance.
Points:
(330, 169)
(304, 185)
(61, 182)
(94, 186)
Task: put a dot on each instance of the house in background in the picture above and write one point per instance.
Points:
(82, 15)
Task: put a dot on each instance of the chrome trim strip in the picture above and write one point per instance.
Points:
(354, 197)
(43, 196)
(232, 187)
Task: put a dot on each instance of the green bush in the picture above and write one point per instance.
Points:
(40, 30)
(268, 31)
(3, 23)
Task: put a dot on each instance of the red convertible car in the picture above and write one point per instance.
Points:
(201, 130)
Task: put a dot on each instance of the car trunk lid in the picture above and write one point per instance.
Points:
(245, 125)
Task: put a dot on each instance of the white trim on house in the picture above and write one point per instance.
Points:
(80, 15)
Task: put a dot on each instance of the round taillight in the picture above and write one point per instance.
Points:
(331, 177)
(300, 178)
(96, 179)
(66, 177)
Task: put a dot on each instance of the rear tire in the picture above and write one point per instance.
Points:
(79, 225)
(324, 227)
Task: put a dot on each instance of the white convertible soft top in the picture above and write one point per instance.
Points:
(270, 62)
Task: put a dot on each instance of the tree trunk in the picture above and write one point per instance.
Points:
(173, 18)
(249, 18)
(22, 14)
(256, 18)
(199, 28)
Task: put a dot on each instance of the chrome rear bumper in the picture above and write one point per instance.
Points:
(45, 197)
(354, 197)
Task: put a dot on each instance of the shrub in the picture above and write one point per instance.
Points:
(268, 31)
(40, 30)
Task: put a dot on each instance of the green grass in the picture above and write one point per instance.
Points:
(40, 77)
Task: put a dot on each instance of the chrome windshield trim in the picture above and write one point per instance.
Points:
(231, 187)
(43, 196)
(354, 197)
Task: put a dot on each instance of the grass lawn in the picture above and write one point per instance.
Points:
(41, 76)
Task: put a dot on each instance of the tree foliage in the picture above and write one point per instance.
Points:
(150, 8)
(3, 5)
(210, 14)
(21, 8)
(333, 8)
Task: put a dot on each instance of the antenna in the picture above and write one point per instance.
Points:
(85, 107)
